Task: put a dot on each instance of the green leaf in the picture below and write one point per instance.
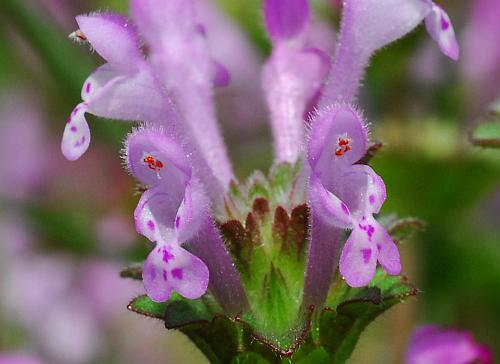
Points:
(341, 326)
(143, 305)
(249, 358)
(487, 134)
(220, 340)
(317, 356)
(184, 312)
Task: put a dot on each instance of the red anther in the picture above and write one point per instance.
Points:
(343, 148)
(152, 163)
(343, 141)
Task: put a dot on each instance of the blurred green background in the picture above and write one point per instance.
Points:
(420, 105)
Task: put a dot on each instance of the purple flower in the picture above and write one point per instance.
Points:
(179, 54)
(290, 90)
(370, 25)
(481, 52)
(124, 88)
(435, 345)
(346, 195)
(169, 213)
(18, 358)
(130, 87)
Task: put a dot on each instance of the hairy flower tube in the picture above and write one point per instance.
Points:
(278, 264)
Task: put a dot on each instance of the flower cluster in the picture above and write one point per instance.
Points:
(160, 72)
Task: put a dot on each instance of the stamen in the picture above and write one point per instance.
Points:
(153, 163)
(78, 37)
(343, 146)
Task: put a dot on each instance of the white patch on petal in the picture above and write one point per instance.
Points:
(76, 137)
(439, 26)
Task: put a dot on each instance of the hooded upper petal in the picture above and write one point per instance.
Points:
(153, 157)
(113, 37)
(338, 138)
(170, 267)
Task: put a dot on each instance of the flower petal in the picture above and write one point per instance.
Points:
(222, 77)
(374, 192)
(360, 188)
(358, 259)
(328, 206)
(285, 19)
(153, 157)
(170, 267)
(155, 215)
(113, 37)
(192, 211)
(76, 137)
(97, 80)
(338, 139)
(439, 26)
(134, 97)
(388, 253)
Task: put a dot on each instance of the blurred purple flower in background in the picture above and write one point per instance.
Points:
(481, 50)
(435, 345)
(22, 170)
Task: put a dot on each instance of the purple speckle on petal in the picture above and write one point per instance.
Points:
(88, 88)
(177, 273)
(445, 24)
(80, 142)
(379, 247)
(166, 255)
(371, 199)
(370, 229)
(367, 254)
(76, 110)
(151, 225)
(152, 272)
(69, 120)
(200, 29)
(165, 275)
(74, 129)
(344, 208)
(177, 221)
